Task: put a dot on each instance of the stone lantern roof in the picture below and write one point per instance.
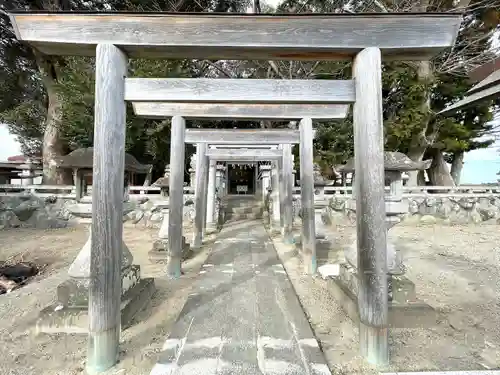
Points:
(393, 161)
(83, 158)
(165, 180)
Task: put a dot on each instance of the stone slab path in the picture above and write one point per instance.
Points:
(243, 316)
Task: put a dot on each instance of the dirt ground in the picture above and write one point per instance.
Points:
(455, 270)
(24, 353)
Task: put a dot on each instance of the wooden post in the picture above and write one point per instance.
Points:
(307, 196)
(288, 190)
(205, 193)
(107, 209)
(200, 188)
(370, 207)
(282, 192)
(275, 219)
(78, 181)
(212, 171)
(176, 201)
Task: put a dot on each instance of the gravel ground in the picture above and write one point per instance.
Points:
(24, 353)
(455, 270)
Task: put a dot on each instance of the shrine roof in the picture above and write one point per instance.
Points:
(84, 158)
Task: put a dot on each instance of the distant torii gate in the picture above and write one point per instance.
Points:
(247, 109)
(113, 37)
(203, 137)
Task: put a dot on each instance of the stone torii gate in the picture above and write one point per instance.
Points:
(114, 37)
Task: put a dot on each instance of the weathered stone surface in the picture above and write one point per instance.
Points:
(251, 304)
(450, 210)
(428, 219)
(156, 217)
(8, 219)
(74, 319)
(80, 268)
(33, 212)
(26, 209)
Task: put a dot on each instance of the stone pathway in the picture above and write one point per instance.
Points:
(243, 316)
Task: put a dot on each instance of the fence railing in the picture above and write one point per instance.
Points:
(421, 191)
(68, 191)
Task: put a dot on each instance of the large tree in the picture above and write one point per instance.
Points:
(49, 105)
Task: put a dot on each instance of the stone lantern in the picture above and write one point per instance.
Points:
(160, 246)
(395, 163)
(164, 182)
(69, 313)
(192, 171)
(320, 203)
(321, 219)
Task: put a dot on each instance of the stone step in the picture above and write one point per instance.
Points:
(244, 204)
(247, 216)
(244, 210)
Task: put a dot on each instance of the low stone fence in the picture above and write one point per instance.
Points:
(46, 206)
(473, 208)
(426, 204)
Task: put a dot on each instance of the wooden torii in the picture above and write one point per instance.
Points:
(114, 37)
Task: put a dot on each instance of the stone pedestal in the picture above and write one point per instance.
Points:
(405, 310)
(159, 252)
(395, 264)
(70, 313)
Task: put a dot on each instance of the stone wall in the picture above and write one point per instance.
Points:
(34, 212)
(148, 215)
(428, 209)
(52, 212)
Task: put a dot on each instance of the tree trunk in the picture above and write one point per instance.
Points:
(416, 153)
(53, 144)
(457, 165)
(439, 174)
(421, 141)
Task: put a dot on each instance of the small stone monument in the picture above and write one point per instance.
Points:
(160, 246)
(402, 295)
(192, 171)
(321, 219)
(70, 313)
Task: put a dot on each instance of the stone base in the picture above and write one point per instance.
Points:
(275, 227)
(323, 247)
(65, 319)
(75, 292)
(405, 310)
(160, 247)
(211, 228)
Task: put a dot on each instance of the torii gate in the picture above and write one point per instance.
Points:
(247, 109)
(203, 137)
(113, 37)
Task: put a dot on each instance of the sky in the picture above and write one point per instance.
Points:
(10, 146)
